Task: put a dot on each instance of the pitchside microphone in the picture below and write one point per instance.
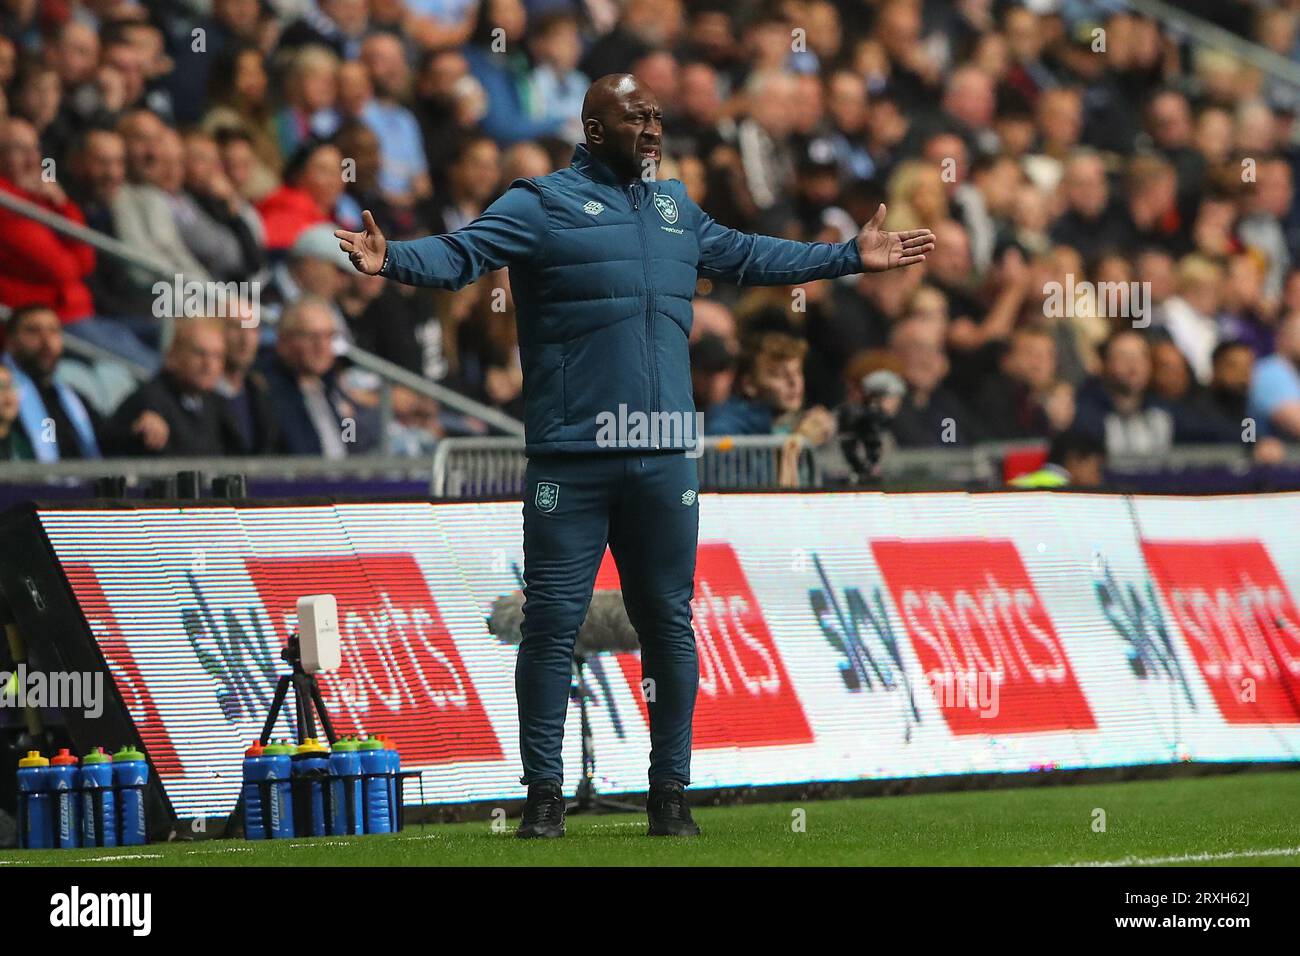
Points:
(606, 627)
(318, 633)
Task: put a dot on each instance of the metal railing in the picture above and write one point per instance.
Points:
(982, 464)
(285, 467)
(389, 373)
(91, 353)
(494, 467)
(1215, 37)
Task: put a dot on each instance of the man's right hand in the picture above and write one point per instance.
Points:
(152, 429)
(365, 249)
(817, 425)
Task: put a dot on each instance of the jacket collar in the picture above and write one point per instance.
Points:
(593, 168)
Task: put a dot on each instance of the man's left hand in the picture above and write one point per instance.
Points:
(882, 250)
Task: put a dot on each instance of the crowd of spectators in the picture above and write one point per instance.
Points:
(1055, 147)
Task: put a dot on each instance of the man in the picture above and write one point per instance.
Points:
(245, 390)
(603, 265)
(1274, 398)
(1151, 201)
(360, 143)
(404, 176)
(316, 267)
(1233, 364)
(53, 419)
(221, 226)
(97, 162)
(316, 416)
(769, 395)
(336, 24)
(142, 216)
(1118, 407)
(713, 372)
(1027, 400)
(1093, 220)
(37, 264)
(178, 411)
(930, 415)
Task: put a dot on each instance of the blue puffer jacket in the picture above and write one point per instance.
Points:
(603, 273)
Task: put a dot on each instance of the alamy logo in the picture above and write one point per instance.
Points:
(181, 299)
(65, 690)
(1108, 300)
(688, 497)
(75, 908)
(667, 207)
(548, 496)
(593, 207)
(626, 428)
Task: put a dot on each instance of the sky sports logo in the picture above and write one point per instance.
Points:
(78, 910)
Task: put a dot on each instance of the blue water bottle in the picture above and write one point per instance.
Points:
(63, 791)
(98, 808)
(35, 820)
(394, 768)
(280, 754)
(268, 798)
(346, 804)
(311, 768)
(130, 774)
(254, 761)
(375, 778)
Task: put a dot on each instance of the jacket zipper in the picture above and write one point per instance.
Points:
(649, 312)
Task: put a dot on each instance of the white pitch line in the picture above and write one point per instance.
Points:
(224, 849)
(121, 856)
(1190, 857)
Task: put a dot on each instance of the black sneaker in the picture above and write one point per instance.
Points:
(669, 813)
(543, 812)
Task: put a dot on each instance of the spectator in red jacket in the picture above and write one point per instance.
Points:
(37, 265)
(313, 184)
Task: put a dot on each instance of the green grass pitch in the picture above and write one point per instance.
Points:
(1249, 819)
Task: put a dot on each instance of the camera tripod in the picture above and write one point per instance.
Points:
(308, 704)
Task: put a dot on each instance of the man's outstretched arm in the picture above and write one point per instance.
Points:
(765, 260)
(509, 230)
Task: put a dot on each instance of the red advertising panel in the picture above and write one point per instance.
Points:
(401, 673)
(121, 663)
(1239, 622)
(990, 652)
(745, 698)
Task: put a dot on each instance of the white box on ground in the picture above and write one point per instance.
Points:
(318, 633)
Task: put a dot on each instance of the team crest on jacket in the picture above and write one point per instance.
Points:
(593, 207)
(548, 496)
(667, 207)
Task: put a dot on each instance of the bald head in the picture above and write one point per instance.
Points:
(605, 94)
(623, 125)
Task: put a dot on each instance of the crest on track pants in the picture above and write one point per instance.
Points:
(547, 497)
